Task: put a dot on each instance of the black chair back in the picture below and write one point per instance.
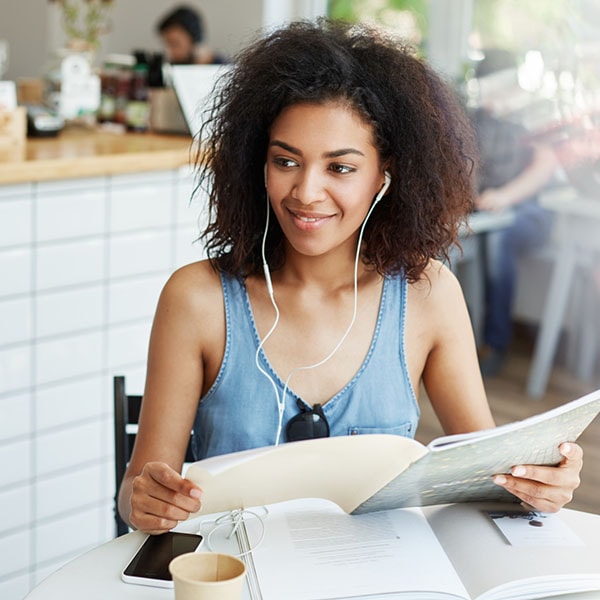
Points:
(127, 413)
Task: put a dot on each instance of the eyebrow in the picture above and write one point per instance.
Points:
(332, 154)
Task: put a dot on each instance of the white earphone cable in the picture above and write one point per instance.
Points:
(281, 399)
(280, 402)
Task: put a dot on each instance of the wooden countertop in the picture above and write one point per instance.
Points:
(80, 152)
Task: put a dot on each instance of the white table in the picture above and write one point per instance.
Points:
(578, 229)
(96, 574)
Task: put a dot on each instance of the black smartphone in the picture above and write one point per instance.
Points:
(150, 564)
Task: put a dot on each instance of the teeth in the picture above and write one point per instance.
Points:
(307, 219)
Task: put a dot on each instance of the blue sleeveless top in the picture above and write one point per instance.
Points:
(240, 410)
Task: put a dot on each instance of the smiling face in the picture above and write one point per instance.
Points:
(323, 171)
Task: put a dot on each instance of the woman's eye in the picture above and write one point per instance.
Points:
(281, 161)
(341, 169)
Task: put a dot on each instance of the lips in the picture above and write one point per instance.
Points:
(308, 221)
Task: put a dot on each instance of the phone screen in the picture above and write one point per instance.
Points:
(152, 560)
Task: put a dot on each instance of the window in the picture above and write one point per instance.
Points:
(407, 18)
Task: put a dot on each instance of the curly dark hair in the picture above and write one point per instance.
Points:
(420, 130)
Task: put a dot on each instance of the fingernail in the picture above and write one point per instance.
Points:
(500, 479)
(566, 448)
(519, 471)
(196, 493)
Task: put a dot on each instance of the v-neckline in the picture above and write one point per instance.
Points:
(273, 373)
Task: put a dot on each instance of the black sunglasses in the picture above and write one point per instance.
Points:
(308, 424)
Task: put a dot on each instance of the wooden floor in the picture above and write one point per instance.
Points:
(509, 402)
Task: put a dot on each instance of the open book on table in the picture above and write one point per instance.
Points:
(312, 550)
(367, 473)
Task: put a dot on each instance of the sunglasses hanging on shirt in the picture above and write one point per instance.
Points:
(308, 424)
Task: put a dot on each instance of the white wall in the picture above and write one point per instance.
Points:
(450, 23)
(33, 30)
(279, 11)
(82, 262)
(23, 24)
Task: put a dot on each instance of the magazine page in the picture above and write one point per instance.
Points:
(560, 416)
(492, 568)
(463, 472)
(346, 470)
(314, 551)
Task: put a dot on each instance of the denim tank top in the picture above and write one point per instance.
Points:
(240, 411)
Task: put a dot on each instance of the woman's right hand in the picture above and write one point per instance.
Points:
(161, 497)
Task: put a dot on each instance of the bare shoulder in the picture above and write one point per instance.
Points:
(194, 287)
(436, 286)
(192, 301)
(189, 324)
(441, 351)
(436, 309)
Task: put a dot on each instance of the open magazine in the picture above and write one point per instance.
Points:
(312, 550)
(374, 472)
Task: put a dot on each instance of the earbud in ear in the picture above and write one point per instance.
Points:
(384, 187)
(265, 173)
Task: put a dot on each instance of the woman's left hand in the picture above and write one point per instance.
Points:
(546, 489)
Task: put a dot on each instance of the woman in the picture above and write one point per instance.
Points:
(182, 33)
(339, 172)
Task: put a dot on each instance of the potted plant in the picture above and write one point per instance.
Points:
(84, 22)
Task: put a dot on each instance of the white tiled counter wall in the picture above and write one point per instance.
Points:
(81, 265)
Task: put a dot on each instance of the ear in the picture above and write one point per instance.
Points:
(388, 179)
(384, 187)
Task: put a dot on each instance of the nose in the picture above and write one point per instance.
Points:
(309, 186)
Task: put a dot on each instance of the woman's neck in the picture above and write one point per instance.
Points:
(334, 270)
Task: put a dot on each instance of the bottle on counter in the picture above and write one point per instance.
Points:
(122, 96)
(117, 68)
(108, 93)
(155, 70)
(138, 105)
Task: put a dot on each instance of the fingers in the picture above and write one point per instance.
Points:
(572, 452)
(161, 498)
(170, 479)
(536, 495)
(547, 489)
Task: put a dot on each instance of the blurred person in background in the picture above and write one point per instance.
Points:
(183, 35)
(513, 170)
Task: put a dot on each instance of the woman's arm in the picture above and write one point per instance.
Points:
(455, 388)
(438, 324)
(189, 320)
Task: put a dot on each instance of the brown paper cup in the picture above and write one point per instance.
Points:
(207, 576)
